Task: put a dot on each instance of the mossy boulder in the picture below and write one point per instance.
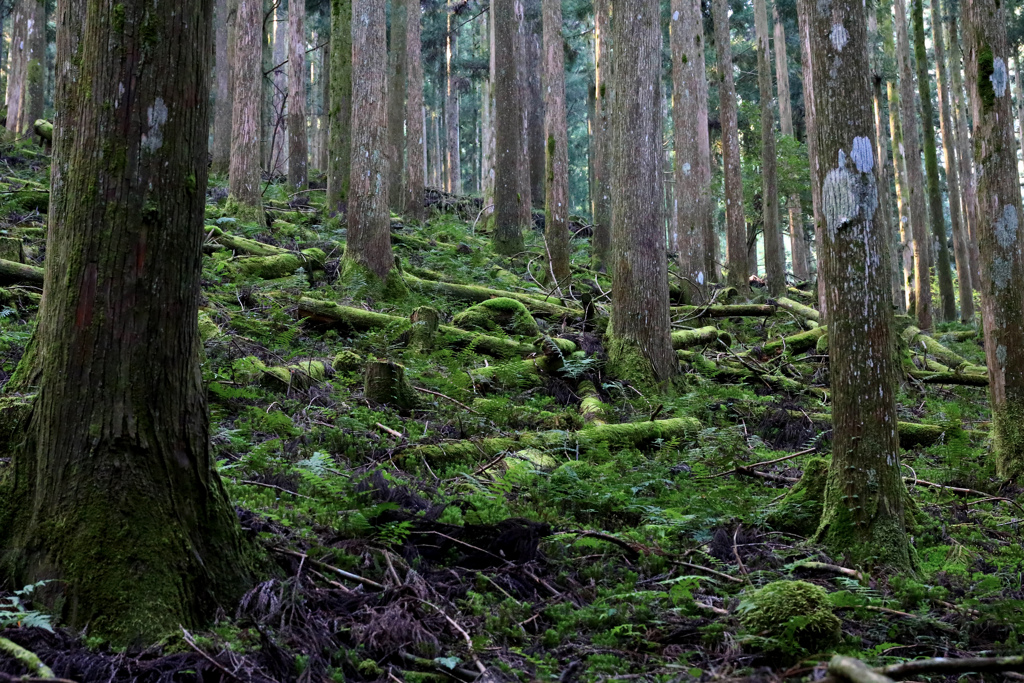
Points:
(498, 314)
(800, 511)
(791, 613)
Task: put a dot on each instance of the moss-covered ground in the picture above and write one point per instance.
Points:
(557, 562)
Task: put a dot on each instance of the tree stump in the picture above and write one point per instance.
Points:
(386, 383)
(425, 323)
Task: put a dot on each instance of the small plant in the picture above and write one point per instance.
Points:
(13, 611)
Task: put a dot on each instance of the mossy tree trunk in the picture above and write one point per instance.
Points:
(999, 203)
(244, 170)
(15, 70)
(451, 104)
(536, 140)
(226, 10)
(298, 145)
(774, 250)
(27, 66)
(601, 135)
(641, 343)
(692, 190)
(556, 200)
(511, 174)
(803, 11)
(113, 491)
(398, 73)
(324, 80)
(415, 133)
(340, 113)
(865, 495)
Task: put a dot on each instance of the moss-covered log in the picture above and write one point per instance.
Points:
(243, 245)
(797, 343)
(726, 311)
(278, 265)
(915, 339)
(957, 378)
(592, 408)
(805, 312)
(537, 306)
(911, 434)
(12, 273)
(501, 314)
(300, 376)
(12, 249)
(684, 339)
(733, 372)
(44, 129)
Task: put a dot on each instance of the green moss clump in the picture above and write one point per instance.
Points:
(347, 361)
(626, 361)
(498, 314)
(792, 612)
(800, 511)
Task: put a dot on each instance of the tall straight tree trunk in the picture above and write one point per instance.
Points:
(536, 144)
(865, 494)
(340, 130)
(640, 348)
(244, 172)
(15, 92)
(693, 149)
(774, 249)
(437, 170)
(556, 199)
(884, 213)
(116, 455)
(965, 153)
(947, 296)
(1020, 97)
(396, 104)
(601, 143)
(451, 107)
(915, 174)
(736, 230)
(27, 66)
(324, 155)
(279, 116)
(298, 146)
(225, 16)
(487, 107)
(999, 204)
(415, 133)
(797, 238)
(803, 12)
(961, 250)
(511, 194)
(368, 244)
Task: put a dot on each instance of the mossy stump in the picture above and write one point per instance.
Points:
(385, 383)
(425, 324)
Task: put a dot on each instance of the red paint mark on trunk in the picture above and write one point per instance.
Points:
(86, 297)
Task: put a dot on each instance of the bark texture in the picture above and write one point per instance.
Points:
(398, 65)
(226, 11)
(774, 250)
(298, 145)
(601, 142)
(803, 10)
(113, 492)
(339, 138)
(556, 190)
(451, 106)
(415, 134)
(511, 176)
(865, 495)
(244, 171)
(27, 66)
(965, 151)
(536, 140)
(641, 343)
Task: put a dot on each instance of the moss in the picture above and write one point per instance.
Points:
(626, 361)
(1008, 439)
(358, 281)
(207, 328)
(347, 361)
(499, 314)
(821, 348)
(800, 511)
(986, 67)
(682, 339)
(245, 213)
(792, 611)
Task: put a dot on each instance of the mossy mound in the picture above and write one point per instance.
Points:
(791, 612)
(800, 511)
(498, 314)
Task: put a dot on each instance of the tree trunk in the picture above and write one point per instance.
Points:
(601, 142)
(415, 134)
(556, 199)
(115, 454)
(915, 174)
(487, 125)
(999, 204)
(692, 203)
(451, 107)
(865, 494)
(16, 65)
(797, 239)
(640, 348)
(340, 125)
(803, 11)
(961, 251)
(947, 296)
(27, 66)
(368, 244)
(774, 249)
(1020, 97)
(536, 139)
(224, 32)
(279, 86)
(244, 171)
(884, 213)
(396, 104)
(324, 151)
(511, 194)
(736, 231)
(437, 169)
(298, 147)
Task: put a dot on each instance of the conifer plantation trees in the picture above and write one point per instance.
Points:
(244, 169)
(223, 95)
(641, 346)
(511, 175)
(556, 197)
(339, 141)
(865, 494)
(999, 210)
(601, 134)
(298, 147)
(774, 251)
(396, 104)
(28, 56)
(415, 133)
(113, 491)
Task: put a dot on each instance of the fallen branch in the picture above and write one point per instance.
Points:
(805, 312)
(27, 658)
(684, 339)
(323, 565)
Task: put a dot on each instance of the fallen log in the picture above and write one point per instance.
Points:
(300, 376)
(958, 378)
(913, 336)
(592, 408)
(12, 273)
(796, 343)
(684, 339)
(476, 294)
(726, 311)
(805, 312)
(853, 670)
(732, 372)
(242, 244)
(911, 434)
(278, 265)
(44, 129)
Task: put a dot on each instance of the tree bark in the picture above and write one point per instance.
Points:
(27, 66)
(999, 204)
(601, 142)
(692, 203)
(511, 193)
(556, 198)
(116, 455)
(451, 107)
(278, 129)
(397, 74)
(803, 11)
(224, 32)
(641, 345)
(244, 170)
(298, 146)
(16, 65)
(340, 125)
(865, 495)
(774, 249)
(736, 231)
(324, 78)
(536, 139)
(415, 133)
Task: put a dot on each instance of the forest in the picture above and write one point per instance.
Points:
(494, 341)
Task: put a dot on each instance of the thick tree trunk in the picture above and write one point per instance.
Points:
(536, 139)
(278, 129)
(736, 231)
(244, 170)
(298, 146)
(915, 174)
(693, 150)
(368, 244)
(340, 126)
(113, 492)
(221, 152)
(999, 204)
(640, 348)
(960, 248)
(451, 106)
(601, 135)
(797, 238)
(398, 73)
(944, 274)
(774, 249)
(803, 11)
(865, 494)
(556, 198)
(511, 193)
(415, 133)
(1020, 97)
(16, 65)
(27, 66)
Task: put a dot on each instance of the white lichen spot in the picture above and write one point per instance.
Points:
(1001, 355)
(1005, 227)
(862, 155)
(839, 37)
(156, 116)
(675, 16)
(700, 277)
(999, 76)
(686, 168)
(1002, 270)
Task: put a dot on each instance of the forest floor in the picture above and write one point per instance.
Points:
(482, 527)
